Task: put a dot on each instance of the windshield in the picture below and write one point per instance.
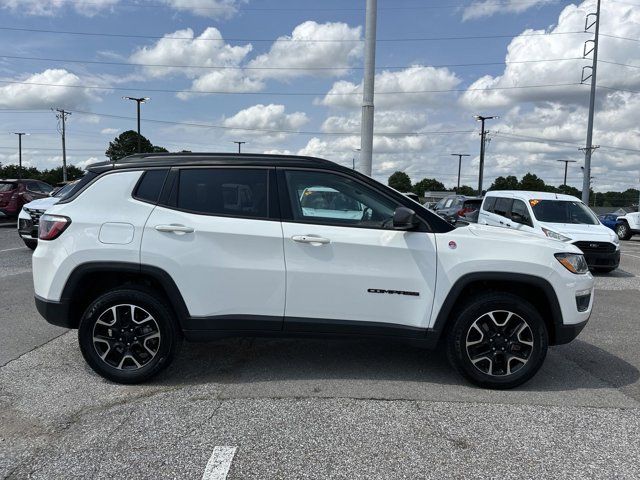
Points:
(562, 211)
(6, 186)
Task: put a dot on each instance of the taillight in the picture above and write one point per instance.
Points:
(52, 226)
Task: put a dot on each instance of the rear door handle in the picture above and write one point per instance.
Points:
(312, 239)
(177, 229)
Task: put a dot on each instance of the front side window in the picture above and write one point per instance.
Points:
(502, 206)
(321, 197)
(33, 187)
(520, 213)
(489, 203)
(45, 187)
(563, 211)
(240, 192)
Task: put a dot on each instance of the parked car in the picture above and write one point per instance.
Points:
(453, 207)
(15, 193)
(561, 217)
(609, 220)
(150, 250)
(29, 216)
(628, 225)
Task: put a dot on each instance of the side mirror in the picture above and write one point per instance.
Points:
(519, 218)
(404, 219)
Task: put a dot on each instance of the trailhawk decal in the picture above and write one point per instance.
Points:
(393, 292)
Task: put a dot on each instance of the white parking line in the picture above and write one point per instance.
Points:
(629, 255)
(11, 249)
(219, 464)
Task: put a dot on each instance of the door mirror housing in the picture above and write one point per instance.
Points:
(404, 219)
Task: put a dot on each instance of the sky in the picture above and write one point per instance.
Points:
(285, 76)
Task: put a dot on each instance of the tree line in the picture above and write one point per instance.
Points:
(530, 181)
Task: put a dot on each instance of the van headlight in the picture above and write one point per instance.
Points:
(555, 235)
(574, 262)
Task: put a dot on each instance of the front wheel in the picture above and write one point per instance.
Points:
(128, 336)
(623, 231)
(497, 341)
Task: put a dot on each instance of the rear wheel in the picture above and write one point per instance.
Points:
(623, 231)
(128, 336)
(497, 341)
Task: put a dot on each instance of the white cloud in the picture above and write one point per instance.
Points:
(182, 47)
(333, 46)
(265, 117)
(405, 83)
(38, 92)
(206, 8)
(487, 8)
(387, 121)
(52, 7)
(223, 81)
(83, 164)
(109, 131)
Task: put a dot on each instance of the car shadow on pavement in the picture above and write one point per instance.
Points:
(617, 273)
(285, 366)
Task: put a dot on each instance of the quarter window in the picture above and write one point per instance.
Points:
(321, 197)
(224, 191)
(151, 184)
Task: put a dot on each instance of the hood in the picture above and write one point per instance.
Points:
(581, 231)
(502, 234)
(42, 203)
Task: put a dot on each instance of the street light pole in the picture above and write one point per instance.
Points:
(483, 135)
(459, 155)
(366, 125)
(566, 164)
(138, 101)
(239, 145)
(20, 134)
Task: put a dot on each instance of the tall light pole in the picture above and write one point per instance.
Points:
(566, 164)
(353, 159)
(483, 135)
(20, 135)
(138, 102)
(366, 126)
(459, 155)
(62, 115)
(239, 145)
(589, 148)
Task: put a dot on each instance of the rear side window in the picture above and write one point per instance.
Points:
(150, 185)
(489, 203)
(7, 186)
(502, 206)
(239, 192)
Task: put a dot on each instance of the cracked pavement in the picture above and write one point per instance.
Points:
(321, 408)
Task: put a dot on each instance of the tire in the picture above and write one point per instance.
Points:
(118, 354)
(523, 334)
(32, 244)
(623, 231)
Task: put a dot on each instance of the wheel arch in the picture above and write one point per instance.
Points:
(538, 291)
(88, 280)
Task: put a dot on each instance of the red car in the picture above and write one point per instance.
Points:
(15, 193)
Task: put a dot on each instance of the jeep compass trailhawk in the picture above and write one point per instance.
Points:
(157, 247)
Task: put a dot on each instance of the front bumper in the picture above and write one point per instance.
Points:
(27, 229)
(56, 313)
(567, 333)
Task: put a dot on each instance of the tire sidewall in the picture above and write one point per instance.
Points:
(625, 232)
(470, 313)
(161, 314)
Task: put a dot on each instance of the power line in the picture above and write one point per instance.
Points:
(213, 92)
(238, 67)
(285, 39)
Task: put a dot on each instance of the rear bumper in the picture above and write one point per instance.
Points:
(56, 313)
(566, 333)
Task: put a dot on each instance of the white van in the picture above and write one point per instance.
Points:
(557, 216)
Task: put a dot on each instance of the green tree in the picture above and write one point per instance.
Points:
(400, 181)
(466, 190)
(532, 182)
(127, 144)
(569, 190)
(11, 171)
(505, 183)
(54, 175)
(428, 185)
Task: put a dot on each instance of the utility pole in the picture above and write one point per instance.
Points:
(20, 134)
(459, 155)
(239, 145)
(483, 135)
(566, 163)
(366, 134)
(138, 102)
(588, 150)
(62, 117)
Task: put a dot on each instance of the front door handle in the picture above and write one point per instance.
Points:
(312, 239)
(173, 228)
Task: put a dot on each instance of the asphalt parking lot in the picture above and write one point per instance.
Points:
(317, 408)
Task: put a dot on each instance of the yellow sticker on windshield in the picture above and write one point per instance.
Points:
(533, 203)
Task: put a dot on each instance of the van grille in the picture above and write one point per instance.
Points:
(596, 247)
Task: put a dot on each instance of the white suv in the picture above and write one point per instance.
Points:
(561, 217)
(156, 247)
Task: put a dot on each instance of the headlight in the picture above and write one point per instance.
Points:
(574, 262)
(555, 235)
